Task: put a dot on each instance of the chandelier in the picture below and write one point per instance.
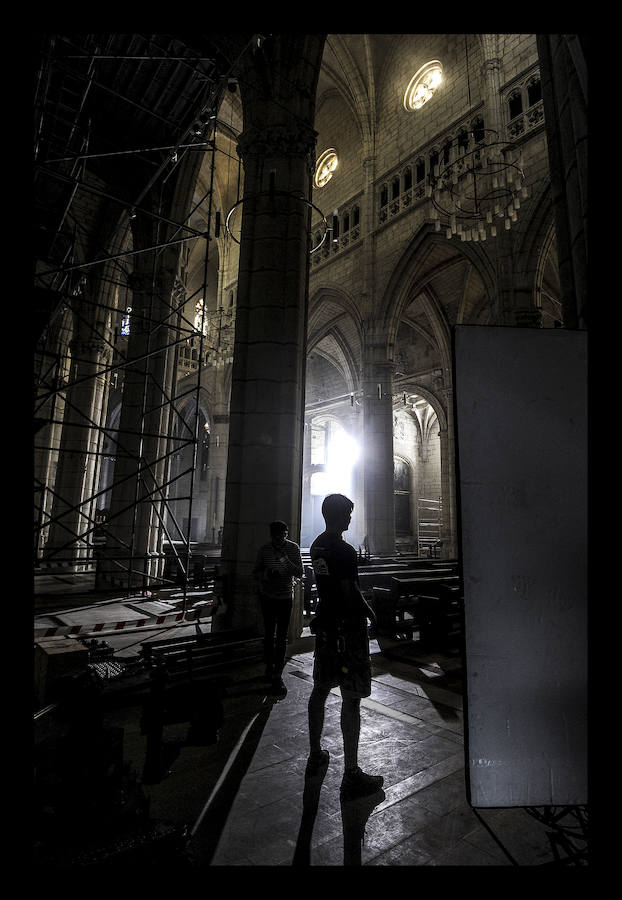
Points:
(477, 186)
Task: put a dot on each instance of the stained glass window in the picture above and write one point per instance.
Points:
(423, 85)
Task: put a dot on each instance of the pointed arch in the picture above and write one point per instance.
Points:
(407, 278)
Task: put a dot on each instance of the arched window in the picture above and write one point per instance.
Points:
(433, 160)
(423, 85)
(463, 140)
(478, 130)
(355, 216)
(515, 104)
(408, 178)
(447, 152)
(346, 222)
(325, 167)
(419, 170)
(384, 195)
(335, 227)
(205, 451)
(395, 188)
(200, 319)
(402, 495)
(125, 321)
(534, 90)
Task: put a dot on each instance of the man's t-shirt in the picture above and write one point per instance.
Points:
(334, 560)
(277, 568)
(342, 646)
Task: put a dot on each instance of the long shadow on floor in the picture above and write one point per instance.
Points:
(206, 832)
(354, 816)
(310, 803)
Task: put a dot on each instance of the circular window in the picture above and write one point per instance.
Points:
(325, 166)
(423, 84)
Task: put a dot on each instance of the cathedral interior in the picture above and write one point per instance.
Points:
(268, 268)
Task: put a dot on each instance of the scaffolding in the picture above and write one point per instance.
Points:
(68, 72)
(429, 526)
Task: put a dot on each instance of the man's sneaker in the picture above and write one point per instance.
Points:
(317, 761)
(359, 784)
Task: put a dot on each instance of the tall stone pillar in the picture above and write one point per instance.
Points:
(133, 526)
(307, 535)
(378, 452)
(69, 538)
(563, 72)
(491, 71)
(219, 437)
(266, 428)
(448, 481)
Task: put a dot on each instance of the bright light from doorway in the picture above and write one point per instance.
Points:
(342, 453)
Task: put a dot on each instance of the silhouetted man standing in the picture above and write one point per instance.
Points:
(278, 563)
(341, 645)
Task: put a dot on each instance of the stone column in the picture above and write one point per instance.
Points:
(564, 90)
(219, 435)
(378, 452)
(491, 71)
(307, 501)
(49, 436)
(133, 526)
(448, 480)
(264, 467)
(68, 541)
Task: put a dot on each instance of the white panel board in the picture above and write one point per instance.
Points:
(521, 433)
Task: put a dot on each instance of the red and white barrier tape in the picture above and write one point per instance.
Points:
(57, 630)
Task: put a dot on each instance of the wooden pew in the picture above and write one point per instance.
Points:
(369, 580)
(430, 605)
(186, 685)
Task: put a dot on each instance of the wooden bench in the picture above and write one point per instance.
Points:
(201, 655)
(428, 605)
(368, 580)
(186, 685)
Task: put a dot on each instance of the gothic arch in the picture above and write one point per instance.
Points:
(352, 88)
(343, 327)
(341, 297)
(186, 409)
(416, 388)
(406, 279)
(538, 232)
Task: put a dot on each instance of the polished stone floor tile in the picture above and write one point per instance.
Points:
(514, 834)
(388, 827)
(406, 853)
(464, 853)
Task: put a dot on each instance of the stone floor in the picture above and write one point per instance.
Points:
(243, 801)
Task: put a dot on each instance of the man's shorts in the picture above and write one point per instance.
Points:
(347, 667)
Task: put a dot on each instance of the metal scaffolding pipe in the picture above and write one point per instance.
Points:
(151, 488)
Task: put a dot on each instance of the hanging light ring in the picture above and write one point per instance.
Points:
(281, 194)
(486, 170)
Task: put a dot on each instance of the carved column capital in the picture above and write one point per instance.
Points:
(491, 65)
(291, 139)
